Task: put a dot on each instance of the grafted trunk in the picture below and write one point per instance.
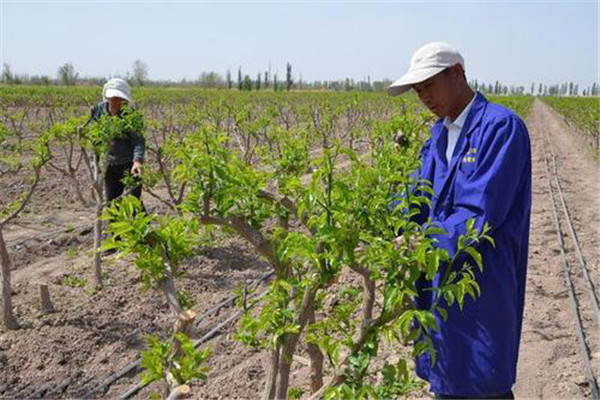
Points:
(77, 186)
(290, 342)
(168, 289)
(97, 245)
(184, 324)
(316, 360)
(271, 381)
(97, 176)
(180, 392)
(8, 318)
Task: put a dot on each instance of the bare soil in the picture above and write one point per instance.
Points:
(550, 363)
(95, 334)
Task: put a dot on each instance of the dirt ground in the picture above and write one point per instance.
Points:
(550, 363)
(94, 334)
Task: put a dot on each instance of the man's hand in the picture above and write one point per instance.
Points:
(136, 169)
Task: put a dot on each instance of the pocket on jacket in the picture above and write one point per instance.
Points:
(467, 165)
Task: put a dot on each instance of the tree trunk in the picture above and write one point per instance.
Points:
(185, 325)
(271, 381)
(98, 225)
(78, 192)
(7, 312)
(179, 392)
(97, 244)
(167, 286)
(316, 360)
(291, 340)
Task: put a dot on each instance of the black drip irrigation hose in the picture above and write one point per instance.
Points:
(23, 391)
(41, 390)
(582, 263)
(105, 384)
(208, 336)
(59, 388)
(585, 354)
(108, 382)
(228, 300)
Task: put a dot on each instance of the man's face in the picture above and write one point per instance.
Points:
(438, 93)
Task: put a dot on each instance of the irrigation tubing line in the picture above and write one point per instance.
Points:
(208, 336)
(41, 390)
(585, 355)
(582, 263)
(60, 387)
(106, 383)
(229, 300)
(52, 387)
(127, 369)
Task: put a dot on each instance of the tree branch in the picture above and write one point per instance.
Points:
(254, 236)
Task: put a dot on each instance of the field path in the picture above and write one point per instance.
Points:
(550, 363)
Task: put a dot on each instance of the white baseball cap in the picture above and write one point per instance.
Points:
(429, 60)
(117, 87)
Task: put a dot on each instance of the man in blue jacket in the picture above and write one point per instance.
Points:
(478, 161)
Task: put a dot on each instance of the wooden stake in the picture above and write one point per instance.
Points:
(46, 305)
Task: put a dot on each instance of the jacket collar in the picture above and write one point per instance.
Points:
(472, 119)
(439, 130)
(460, 120)
(440, 138)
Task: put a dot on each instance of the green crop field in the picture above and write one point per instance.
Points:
(582, 113)
(519, 104)
(305, 179)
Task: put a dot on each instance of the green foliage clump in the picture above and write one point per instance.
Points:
(151, 238)
(161, 358)
(73, 281)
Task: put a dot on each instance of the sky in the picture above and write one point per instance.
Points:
(516, 42)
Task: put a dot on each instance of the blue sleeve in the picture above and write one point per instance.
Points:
(96, 112)
(487, 194)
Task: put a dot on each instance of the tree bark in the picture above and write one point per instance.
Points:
(168, 287)
(184, 324)
(316, 360)
(98, 224)
(77, 185)
(368, 295)
(7, 310)
(291, 340)
(271, 381)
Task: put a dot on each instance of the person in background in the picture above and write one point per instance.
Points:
(126, 151)
(478, 160)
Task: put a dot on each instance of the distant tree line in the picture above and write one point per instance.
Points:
(67, 75)
(559, 89)
(139, 76)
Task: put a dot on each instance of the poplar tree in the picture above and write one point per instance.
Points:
(288, 76)
(228, 78)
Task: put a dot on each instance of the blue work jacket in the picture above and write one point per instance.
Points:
(489, 179)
